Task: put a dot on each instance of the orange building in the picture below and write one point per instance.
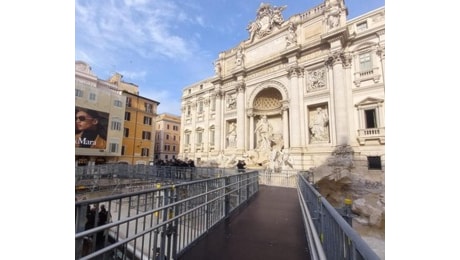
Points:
(139, 124)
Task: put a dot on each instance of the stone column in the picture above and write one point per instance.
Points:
(250, 114)
(336, 62)
(285, 118)
(218, 120)
(381, 53)
(182, 125)
(293, 75)
(193, 136)
(302, 116)
(241, 135)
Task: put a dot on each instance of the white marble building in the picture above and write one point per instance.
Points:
(300, 92)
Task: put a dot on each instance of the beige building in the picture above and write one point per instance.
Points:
(127, 119)
(167, 138)
(306, 91)
(99, 113)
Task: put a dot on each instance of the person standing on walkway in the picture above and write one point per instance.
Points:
(103, 219)
(90, 223)
(241, 165)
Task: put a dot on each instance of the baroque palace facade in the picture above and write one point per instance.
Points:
(299, 93)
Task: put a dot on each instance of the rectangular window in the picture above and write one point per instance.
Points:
(174, 138)
(174, 148)
(167, 126)
(167, 137)
(117, 103)
(146, 135)
(371, 118)
(92, 96)
(148, 107)
(78, 92)
(126, 132)
(189, 110)
(361, 26)
(115, 125)
(128, 102)
(374, 163)
(122, 150)
(365, 61)
(127, 116)
(158, 147)
(113, 147)
(145, 152)
(199, 138)
(147, 120)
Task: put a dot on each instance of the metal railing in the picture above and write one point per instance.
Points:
(286, 178)
(329, 235)
(163, 221)
(149, 172)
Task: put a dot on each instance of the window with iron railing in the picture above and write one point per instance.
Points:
(365, 62)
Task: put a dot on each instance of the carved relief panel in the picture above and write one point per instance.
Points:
(230, 101)
(316, 79)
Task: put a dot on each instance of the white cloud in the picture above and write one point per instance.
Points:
(142, 27)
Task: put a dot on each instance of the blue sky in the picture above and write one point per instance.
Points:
(165, 45)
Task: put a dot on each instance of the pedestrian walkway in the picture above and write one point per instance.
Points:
(270, 227)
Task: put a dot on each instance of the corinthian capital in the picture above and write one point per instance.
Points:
(339, 57)
(294, 71)
(240, 87)
(217, 93)
(346, 59)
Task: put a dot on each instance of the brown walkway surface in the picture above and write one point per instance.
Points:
(269, 227)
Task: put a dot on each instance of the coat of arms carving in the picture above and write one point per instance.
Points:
(267, 18)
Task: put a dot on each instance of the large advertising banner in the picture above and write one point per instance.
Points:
(90, 128)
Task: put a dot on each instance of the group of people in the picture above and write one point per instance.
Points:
(175, 162)
(93, 219)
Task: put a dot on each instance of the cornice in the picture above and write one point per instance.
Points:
(335, 35)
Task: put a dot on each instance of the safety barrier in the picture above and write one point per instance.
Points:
(164, 221)
(329, 235)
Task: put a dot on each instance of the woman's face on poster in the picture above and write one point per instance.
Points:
(84, 121)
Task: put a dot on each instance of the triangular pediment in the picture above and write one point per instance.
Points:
(369, 101)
